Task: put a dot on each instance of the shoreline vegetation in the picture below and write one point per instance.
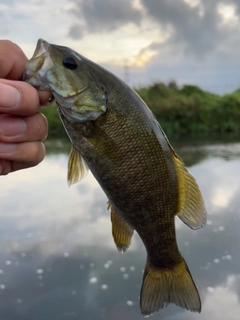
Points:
(180, 110)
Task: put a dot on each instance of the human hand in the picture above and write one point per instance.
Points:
(22, 126)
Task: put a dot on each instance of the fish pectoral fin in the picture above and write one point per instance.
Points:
(191, 209)
(163, 286)
(77, 168)
(121, 231)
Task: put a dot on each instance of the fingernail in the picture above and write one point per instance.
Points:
(7, 147)
(9, 96)
(10, 126)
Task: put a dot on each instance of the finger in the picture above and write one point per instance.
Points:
(7, 166)
(21, 155)
(45, 97)
(12, 65)
(18, 98)
(15, 129)
(12, 60)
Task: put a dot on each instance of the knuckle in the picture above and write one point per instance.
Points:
(30, 153)
(5, 167)
(29, 101)
(43, 127)
(37, 153)
(29, 97)
(12, 60)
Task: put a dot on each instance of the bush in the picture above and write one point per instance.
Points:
(186, 110)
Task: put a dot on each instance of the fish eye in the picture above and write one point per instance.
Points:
(70, 63)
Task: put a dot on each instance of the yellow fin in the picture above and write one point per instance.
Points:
(77, 168)
(163, 286)
(191, 209)
(121, 231)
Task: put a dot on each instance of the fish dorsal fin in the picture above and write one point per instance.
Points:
(121, 231)
(191, 209)
(77, 168)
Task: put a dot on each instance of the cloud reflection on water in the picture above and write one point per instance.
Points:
(58, 259)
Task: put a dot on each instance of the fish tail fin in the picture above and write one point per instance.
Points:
(163, 286)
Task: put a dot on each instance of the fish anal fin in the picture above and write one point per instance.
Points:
(191, 209)
(121, 231)
(163, 286)
(77, 168)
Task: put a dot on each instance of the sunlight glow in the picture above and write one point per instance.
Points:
(125, 46)
(228, 13)
(143, 58)
(222, 196)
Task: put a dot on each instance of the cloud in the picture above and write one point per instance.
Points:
(8, 3)
(191, 41)
(76, 31)
(194, 28)
(105, 15)
(197, 30)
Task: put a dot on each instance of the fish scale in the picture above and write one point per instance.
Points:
(117, 137)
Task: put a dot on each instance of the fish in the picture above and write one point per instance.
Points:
(116, 136)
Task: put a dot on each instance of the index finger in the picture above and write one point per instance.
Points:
(12, 60)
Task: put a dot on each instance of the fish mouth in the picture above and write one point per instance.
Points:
(38, 65)
(41, 48)
(34, 79)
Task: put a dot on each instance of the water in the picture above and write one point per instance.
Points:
(58, 259)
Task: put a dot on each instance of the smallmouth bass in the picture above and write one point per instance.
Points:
(116, 136)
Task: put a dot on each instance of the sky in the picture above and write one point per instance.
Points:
(142, 41)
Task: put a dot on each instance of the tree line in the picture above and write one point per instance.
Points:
(179, 110)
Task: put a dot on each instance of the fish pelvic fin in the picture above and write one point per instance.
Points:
(77, 168)
(191, 209)
(163, 286)
(121, 231)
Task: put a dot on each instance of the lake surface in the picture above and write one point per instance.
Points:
(58, 259)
